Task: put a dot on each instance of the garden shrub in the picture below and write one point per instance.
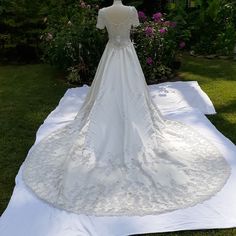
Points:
(21, 23)
(212, 24)
(73, 43)
(157, 42)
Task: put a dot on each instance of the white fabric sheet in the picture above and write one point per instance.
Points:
(26, 215)
(170, 96)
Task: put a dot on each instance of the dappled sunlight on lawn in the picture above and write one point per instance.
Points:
(207, 68)
(218, 79)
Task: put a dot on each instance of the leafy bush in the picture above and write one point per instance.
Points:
(212, 24)
(21, 23)
(157, 42)
(72, 43)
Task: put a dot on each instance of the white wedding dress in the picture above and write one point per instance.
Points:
(120, 156)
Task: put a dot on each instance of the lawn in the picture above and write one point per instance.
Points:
(28, 93)
(218, 79)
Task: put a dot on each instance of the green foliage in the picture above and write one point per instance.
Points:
(72, 42)
(212, 24)
(157, 43)
(20, 24)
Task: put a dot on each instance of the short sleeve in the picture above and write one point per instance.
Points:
(135, 18)
(100, 20)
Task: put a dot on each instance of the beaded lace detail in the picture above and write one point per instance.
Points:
(119, 33)
(119, 156)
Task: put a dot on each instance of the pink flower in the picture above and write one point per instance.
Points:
(182, 44)
(162, 30)
(149, 61)
(142, 16)
(149, 31)
(157, 17)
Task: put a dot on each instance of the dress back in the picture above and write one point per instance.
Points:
(118, 32)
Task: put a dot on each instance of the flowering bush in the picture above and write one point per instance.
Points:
(71, 42)
(157, 42)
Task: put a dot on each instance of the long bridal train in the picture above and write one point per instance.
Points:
(119, 156)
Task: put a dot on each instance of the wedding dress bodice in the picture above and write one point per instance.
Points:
(118, 33)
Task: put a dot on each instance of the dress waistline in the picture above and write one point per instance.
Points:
(119, 43)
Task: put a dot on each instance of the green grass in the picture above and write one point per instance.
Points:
(218, 79)
(29, 93)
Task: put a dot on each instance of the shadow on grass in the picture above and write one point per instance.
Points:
(212, 69)
(224, 125)
(229, 108)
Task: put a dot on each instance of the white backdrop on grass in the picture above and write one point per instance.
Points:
(26, 215)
